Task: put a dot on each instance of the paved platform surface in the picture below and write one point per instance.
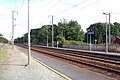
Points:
(13, 68)
(72, 71)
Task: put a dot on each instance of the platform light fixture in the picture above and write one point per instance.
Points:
(106, 33)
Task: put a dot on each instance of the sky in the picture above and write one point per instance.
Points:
(85, 12)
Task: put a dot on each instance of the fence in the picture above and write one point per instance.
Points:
(94, 47)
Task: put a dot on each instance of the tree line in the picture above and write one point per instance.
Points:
(2, 39)
(70, 31)
(99, 30)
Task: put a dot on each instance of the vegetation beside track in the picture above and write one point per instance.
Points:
(73, 42)
(3, 55)
(71, 32)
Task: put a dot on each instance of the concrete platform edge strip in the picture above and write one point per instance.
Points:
(50, 68)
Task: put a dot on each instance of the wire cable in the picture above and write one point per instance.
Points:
(84, 7)
(72, 7)
(35, 19)
(49, 9)
(14, 4)
(21, 6)
(55, 4)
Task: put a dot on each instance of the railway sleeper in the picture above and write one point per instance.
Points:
(109, 67)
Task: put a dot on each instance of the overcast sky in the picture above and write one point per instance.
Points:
(85, 12)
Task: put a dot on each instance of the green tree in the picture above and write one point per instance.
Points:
(116, 27)
(2, 39)
(63, 31)
(99, 32)
(72, 31)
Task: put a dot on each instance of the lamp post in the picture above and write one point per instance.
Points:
(47, 36)
(109, 37)
(52, 31)
(29, 44)
(12, 29)
(106, 33)
(109, 30)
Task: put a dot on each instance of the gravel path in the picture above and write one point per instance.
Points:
(14, 68)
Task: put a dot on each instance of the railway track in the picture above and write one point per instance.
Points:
(110, 65)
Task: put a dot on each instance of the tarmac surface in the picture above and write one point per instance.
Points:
(72, 71)
(13, 68)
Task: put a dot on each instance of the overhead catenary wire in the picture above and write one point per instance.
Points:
(72, 7)
(75, 6)
(18, 11)
(14, 7)
(114, 13)
(65, 9)
(43, 12)
(46, 10)
(90, 4)
(55, 4)
(21, 6)
(49, 9)
(84, 7)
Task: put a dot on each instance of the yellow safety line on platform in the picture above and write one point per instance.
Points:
(62, 75)
(50, 68)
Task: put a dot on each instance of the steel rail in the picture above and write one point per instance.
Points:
(108, 65)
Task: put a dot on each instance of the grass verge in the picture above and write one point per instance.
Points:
(2, 55)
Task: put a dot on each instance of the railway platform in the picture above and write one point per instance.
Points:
(14, 68)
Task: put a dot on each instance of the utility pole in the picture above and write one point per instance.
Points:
(52, 33)
(13, 28)
(47, 36)
(109, 30)
(29, 44)
(10, 39)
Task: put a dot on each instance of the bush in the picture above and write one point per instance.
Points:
(73, 42)
(3, 40)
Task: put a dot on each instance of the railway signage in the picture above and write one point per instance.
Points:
(90, 32)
